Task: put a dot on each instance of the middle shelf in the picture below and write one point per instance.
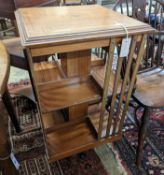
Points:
(68, 92)
(57, 90)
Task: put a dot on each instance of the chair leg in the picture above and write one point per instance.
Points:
(135, 116)
(10, 109)
(142, 135)
(6, 166)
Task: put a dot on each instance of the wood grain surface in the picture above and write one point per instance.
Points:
(150, 88)
(4, 68)
(62, 94)
(59, 24)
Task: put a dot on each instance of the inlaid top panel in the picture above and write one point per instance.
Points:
(60, 24)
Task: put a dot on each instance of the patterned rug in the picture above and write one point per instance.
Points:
(153, 155)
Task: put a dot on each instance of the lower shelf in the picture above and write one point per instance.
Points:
(94, 119)
(72, 139)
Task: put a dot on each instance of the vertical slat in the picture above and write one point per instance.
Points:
(96, 51)
(147, 51)
(140, 55)
(126, 78)
(150, 10)
(117, 79)
(99, 52)
(102, 53)
(142, 135)
(156, 12)
(106, 56)
(161, 19)
(158, 55)
(122, 12)
(106, 85)
(153, 48)
(127, 6)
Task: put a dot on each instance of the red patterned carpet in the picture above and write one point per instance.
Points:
(153, 156)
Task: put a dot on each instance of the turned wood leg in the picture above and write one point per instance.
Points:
(10, 109)
(6, 166)
(142, 135)
(135, 116)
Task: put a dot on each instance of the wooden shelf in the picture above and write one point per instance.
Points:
(72, 140)
(68, 140)
(68, 92)
(94, 117)
(48, 71)
(98, 73)
(96, 61)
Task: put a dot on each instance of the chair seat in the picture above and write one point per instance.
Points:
(14, 47)
(4, 69)
(15, 50)
(150, 88)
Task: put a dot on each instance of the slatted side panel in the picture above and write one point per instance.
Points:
(77, 2)
(156, 18)
(160, 49)
(154, 51)
(119, 102)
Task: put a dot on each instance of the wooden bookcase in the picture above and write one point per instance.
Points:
(71, 92)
